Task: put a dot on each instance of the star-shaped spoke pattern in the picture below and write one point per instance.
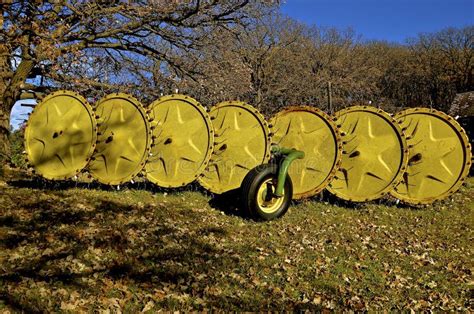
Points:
(123, 142)
(241, 144)
(182, 144)
(438, 156)
(60, 136)
(373, 155)
(311, 131)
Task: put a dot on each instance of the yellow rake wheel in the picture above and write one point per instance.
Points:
(312, 131)
(60, 135)
(374, 156)
(124, 140)
(183, 141)
(439, 156)
(242, 142)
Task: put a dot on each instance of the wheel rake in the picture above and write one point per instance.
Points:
(242, 143)
(60, 136)
(183, 141)
(310, 130)
(123, 140)
(439, 156)
(360, 154)
(374, 154)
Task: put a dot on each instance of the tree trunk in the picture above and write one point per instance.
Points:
(11, 93)
(4, 133)
(10, 89)
(4, 110)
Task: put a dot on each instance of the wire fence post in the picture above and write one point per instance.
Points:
(329, 91)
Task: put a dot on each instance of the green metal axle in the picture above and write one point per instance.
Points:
(288, 156)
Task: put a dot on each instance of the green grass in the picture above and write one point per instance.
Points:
(91, 249)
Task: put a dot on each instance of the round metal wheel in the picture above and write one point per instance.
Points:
(124, 140)
(268, 203)
(374, 156)
(60, 135)
(310, 130)
(258, 193)
(183, 141)
(242, 142)
(439, 156)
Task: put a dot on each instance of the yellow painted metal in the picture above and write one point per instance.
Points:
(266, 200)
(124, 139)
(312, 131)
(60, 135)
(439, 156)
(242, 143)
(183, 142)
(374, 156)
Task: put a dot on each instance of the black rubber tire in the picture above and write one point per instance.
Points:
(249, 189)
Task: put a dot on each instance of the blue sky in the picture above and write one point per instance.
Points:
(19, 114)
(391, 20)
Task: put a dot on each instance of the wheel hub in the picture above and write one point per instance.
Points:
(266, 198)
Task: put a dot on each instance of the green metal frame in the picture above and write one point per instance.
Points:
(288, 156)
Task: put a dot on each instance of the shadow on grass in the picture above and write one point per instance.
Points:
(229, 203)
(326, 196)
(38, 183)
(185, 261)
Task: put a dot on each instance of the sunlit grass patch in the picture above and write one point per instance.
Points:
(93, 249)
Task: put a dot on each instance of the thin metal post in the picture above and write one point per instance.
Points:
(329, 91)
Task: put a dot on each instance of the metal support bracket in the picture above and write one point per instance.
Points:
(288, 155)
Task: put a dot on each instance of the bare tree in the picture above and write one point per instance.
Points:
(55, 38)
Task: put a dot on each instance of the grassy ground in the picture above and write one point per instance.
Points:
(70, 248)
